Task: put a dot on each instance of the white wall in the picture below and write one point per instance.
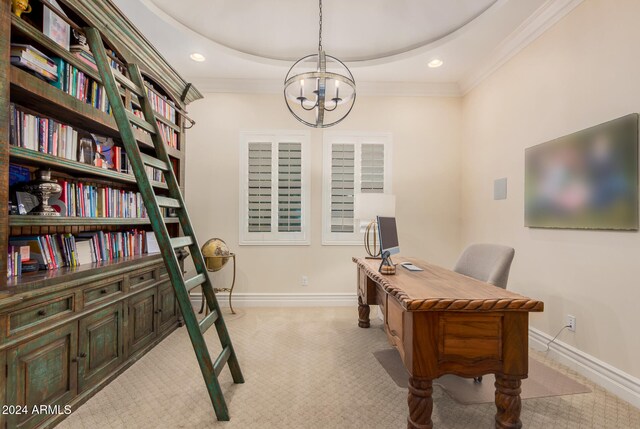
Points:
(426, 139)
(582, 72)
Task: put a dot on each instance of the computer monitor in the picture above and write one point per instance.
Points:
(388, 234)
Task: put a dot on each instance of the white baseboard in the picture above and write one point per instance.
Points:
(610, 378)
(284, 299)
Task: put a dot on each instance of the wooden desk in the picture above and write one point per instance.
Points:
(442, 322)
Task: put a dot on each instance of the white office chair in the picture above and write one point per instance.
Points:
(486, 262)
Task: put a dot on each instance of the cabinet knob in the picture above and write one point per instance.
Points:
(158, 311)
(82, 355)
(103, 291)
(42, 313)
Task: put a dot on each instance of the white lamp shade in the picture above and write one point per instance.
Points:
(368, 206)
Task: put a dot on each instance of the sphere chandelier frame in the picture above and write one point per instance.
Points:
(321, 76)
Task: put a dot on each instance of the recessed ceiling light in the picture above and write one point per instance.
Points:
(197, 57)
(435, 63)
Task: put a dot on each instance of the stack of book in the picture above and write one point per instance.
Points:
(53, 251)
(83, 54)
(29, 58)
(43, 134)
(169, 136)
(16, 256)
(162, 106)
(50, 251)
(83, 200)
(108, 246)
(77, 84)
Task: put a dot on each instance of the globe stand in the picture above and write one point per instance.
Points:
(205, 309)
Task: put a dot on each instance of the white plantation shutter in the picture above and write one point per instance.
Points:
(354, 163)
(289, 187)
(259, 168)
(275, 195)
(372, 168)
(342, 187)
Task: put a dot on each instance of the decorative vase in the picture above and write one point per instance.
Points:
(43, 188)
(18, 7)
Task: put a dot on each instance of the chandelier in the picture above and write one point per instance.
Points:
(319, 89)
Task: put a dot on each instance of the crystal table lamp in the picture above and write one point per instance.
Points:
(366, 208)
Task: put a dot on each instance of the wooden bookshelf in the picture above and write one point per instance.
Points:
(100, 292)
(26, 220)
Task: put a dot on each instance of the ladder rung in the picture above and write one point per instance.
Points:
(194, 282)
(181, 242)
(168, 202)
(154, 162)
(208, 320)
(135, 89)
(222, 359)
(140, 122)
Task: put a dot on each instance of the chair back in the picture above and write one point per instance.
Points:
(486, 262)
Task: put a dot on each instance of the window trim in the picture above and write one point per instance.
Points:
(357, 138)
(274, 237)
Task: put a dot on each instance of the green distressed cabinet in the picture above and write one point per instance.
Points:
(142, 319)
(101, 346)
(42, 372)
(62, 342)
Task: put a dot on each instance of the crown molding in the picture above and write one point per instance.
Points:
(540, 21)
(380, 89)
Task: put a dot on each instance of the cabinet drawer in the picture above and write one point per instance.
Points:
(141, 278)
(395, 321)
(101, 292)
(36, 314)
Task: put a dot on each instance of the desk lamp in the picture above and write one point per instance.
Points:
(366, 208)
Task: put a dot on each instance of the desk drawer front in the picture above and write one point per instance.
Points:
(395, 319)
(39, 313)
(101, 292)
(470, 337)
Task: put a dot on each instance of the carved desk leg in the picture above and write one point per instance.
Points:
(508, 402)
(420, 403)
(363, 313)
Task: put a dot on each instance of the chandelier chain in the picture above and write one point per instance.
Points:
(320, 30)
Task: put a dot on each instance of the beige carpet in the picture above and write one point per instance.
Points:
(543, 381)
(309, 368)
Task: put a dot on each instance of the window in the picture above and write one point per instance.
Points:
(353, 163)
(274, 178)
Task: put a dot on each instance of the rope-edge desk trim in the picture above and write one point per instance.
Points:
(442, 304)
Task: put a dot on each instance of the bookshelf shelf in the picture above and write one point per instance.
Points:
(66, 277)
(27, 220)
(32, 157)
(36, 94)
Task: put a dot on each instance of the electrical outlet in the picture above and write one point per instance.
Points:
(571, 322)
(304, 281)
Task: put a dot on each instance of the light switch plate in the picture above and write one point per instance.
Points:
(500, 189)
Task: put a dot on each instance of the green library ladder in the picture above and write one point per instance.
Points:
(125, 119)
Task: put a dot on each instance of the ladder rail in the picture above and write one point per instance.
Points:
(124, 123)
(185, 223)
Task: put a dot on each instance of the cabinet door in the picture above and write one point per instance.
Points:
(101, 346)
(168, 306)
(42, 372)
(142, 321)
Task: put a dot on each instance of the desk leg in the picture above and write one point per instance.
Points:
(363, 313)
(420, 403)
(508, 402)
